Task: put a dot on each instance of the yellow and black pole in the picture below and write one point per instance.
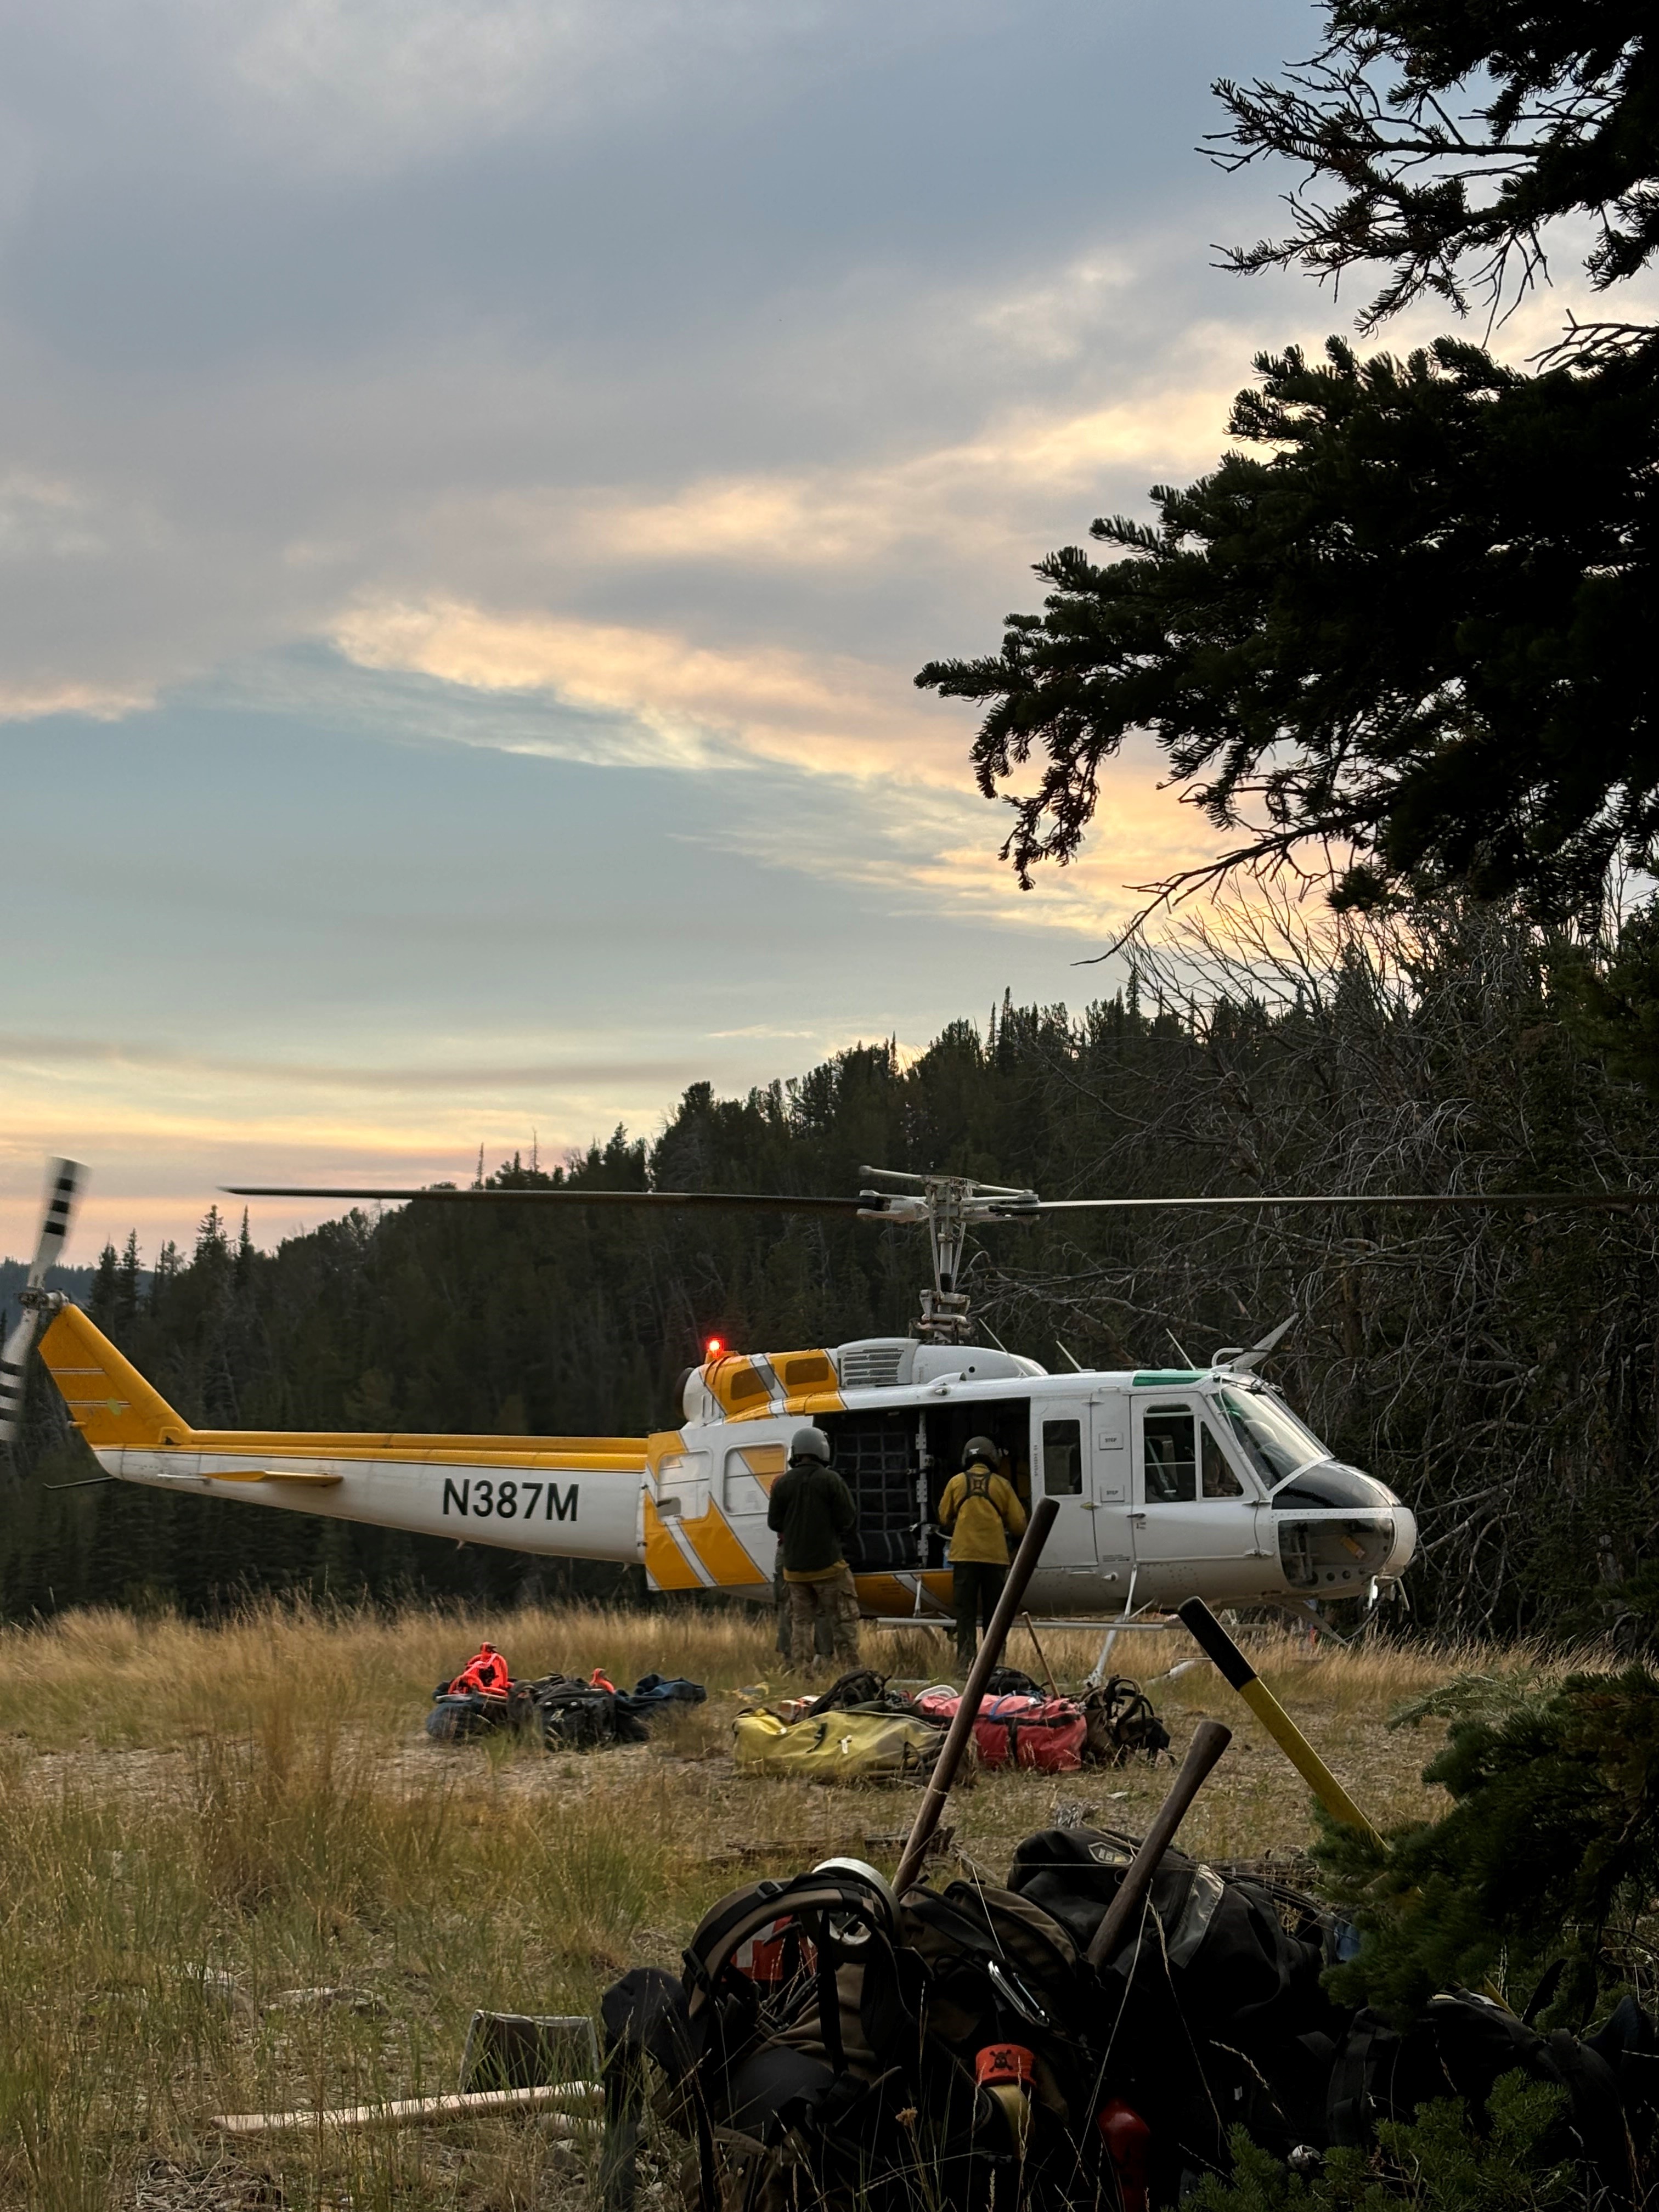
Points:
(1215, 1643)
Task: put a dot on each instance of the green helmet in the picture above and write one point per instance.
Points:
(980, 1451)
(810, 1444)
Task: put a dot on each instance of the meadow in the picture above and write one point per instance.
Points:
(201, 1823)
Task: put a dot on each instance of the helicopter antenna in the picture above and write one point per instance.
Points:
(1186, 1359)
(1077, 1365)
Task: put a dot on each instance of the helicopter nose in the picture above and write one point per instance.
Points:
(1405, 1542)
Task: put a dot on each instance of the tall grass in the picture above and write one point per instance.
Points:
(196, 1820)
(108, 1678)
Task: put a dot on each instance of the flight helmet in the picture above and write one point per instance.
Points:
(980, 1450)
(810, 1444)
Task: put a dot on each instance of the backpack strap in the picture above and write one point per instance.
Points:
(731, 1923)
(1370, 2047)
(643, 2016)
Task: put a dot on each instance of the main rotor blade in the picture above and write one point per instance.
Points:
(12, 1360)
(986, 1209)
(1597, 1199)
(64, 1179)
(534, 1195)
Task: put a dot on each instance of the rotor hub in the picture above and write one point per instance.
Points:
(949, 1205)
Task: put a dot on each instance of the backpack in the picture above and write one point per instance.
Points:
(860, 1690)
(457, 1716)
(1121, 1722)
(1461, 2044)
(577, 1716)
(875, 2060)
(1009, 1682)
(787, 2088)
(863, 1745)
(653, 1690)
(1047, 1733)
(1221, 1967)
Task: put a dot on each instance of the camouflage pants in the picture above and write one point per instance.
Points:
(824, 1634)
(835, 1600)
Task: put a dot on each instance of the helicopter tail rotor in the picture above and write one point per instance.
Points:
(64, 1180)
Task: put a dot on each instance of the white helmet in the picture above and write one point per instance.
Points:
(810, 1444)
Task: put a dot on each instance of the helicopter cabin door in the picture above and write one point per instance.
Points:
(1060, 1470)
(1080, 1458)
(1194, 1507)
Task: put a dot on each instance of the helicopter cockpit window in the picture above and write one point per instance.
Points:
(1276, 1440)
(1219, 1479)
(1062, 1459)
(1169, 1457)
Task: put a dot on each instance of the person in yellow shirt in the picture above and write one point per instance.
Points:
(979, 1512)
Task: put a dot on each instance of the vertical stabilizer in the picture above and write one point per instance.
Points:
(108, 1399)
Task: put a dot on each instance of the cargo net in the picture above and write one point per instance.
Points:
(879, 1464)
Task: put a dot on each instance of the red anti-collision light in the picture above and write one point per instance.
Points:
(716, 1346)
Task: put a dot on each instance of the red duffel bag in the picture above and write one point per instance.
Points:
(1047, 1733)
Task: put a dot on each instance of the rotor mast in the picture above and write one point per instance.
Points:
(949, 1205)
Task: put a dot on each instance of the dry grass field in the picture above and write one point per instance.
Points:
(197, 1821)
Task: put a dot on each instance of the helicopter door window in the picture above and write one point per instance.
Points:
(1062, 1459)
(1217, 1478)
(1170, 1458)
(750, 1473)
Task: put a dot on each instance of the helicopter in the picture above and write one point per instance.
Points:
(1171, 1482)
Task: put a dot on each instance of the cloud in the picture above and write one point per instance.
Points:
(819, 713)
(23, 702)
(933, 510)
(372, 87)
(477, 479)
(931, 849)
(461, 1077)
(763, 1030)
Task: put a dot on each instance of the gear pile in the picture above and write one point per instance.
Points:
(830, 2043)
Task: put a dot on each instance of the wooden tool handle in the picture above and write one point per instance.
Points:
(1209, 1741)
(984, 1665)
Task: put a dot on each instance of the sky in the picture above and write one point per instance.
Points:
(477, 478)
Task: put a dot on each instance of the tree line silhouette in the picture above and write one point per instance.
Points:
(1500, 1369)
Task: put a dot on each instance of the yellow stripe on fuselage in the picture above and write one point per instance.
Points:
(113, 1406)
(666, 1565)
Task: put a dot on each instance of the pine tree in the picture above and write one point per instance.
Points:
(127, 1290)
(1553, 1836)
(1395, 637)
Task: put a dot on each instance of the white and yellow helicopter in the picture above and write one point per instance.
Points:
(1171, 1482)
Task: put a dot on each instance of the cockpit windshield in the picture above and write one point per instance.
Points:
(1278, 1444)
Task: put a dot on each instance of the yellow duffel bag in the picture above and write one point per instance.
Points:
(839, 1747)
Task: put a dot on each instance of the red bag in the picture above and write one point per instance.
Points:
(1047, 1733)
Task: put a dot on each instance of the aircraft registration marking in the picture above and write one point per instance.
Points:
(483, 1497)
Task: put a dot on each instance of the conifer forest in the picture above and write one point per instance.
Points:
(1500, 1370)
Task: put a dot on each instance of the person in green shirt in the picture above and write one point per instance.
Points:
(978, 1512)
(811, 1510)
